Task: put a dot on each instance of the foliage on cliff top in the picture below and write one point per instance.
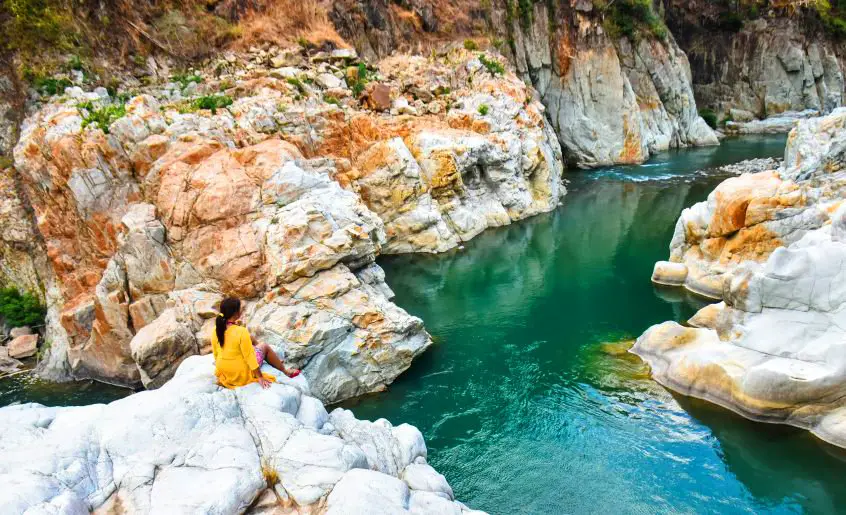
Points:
(633, 19)
(733, 14)
(103, 116)
(40, 33)
(20, 309)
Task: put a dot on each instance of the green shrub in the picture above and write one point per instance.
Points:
(50, 86)
(493, 66)
(357, 83)
(297, 83)
(102, 117)
(20, 309)
(331, 100)
(213, 102)
(184, 79)
(442, 90)
(471, 45)
(483, 109)
(633, 19)
(709, 116)
(29, 24)
(526, 8)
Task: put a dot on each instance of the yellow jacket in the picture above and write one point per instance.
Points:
(235, 362)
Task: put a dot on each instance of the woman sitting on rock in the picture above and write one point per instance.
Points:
(237, 362)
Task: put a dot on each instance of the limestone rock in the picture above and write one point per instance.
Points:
(748, 217)
(7, 364)
(773, 246)
(23, 346)
(282, 199)
(377, 97)
(19, 331)
(192, 446)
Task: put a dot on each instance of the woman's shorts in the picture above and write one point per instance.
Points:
(259, 356)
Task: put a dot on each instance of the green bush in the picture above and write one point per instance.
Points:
(709, 116)
(28, 24)
(101, 117)
(20, 309)
(213, 102)
(183, 79)
(360, 80)
(331, 100)
(493, 66)
(633, 19)
(471, 45)
(483, 109)
(50, 86)
(297, 83)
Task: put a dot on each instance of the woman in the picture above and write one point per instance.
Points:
(237, 362)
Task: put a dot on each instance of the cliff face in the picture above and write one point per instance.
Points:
(770, 244)
(149, 219)
(610, 100)
(764, 66)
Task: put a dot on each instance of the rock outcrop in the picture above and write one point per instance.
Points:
(194, 447)
(766, 66)
(284, 198)
(773, 246)
(611, 100)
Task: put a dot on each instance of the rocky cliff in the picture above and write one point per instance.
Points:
(611, 99)
(760, 67)
(773, 246)
(150, 210)
(194, 447)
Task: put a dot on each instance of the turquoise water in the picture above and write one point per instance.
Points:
(529, 402)
(527, 407)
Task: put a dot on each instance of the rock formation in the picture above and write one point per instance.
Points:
(611, 100)
(194, 447)
(284, 198)
(766, 66)
(773, 246)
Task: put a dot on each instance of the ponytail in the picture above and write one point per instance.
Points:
(229, 307)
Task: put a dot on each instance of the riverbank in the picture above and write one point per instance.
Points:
(523, 403)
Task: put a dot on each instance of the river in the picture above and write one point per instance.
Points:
(529, 402)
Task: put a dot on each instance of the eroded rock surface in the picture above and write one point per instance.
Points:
(194, 447)
(773, 246)
(284, 198)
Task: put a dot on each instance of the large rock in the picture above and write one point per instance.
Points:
(23, 346)
(192, 446)
(609, 101)
(280, 199)
(747, 217)
(773, 246)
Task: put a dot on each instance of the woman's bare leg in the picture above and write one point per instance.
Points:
(272, 358)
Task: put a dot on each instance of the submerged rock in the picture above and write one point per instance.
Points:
(194, 447)
(773, 246)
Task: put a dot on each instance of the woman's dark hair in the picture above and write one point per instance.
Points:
(229, 307)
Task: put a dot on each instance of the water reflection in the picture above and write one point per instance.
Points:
(527, 403)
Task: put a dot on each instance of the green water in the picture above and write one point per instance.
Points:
(526, 410)
(526, 406)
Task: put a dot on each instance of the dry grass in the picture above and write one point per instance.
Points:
(284, 22)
